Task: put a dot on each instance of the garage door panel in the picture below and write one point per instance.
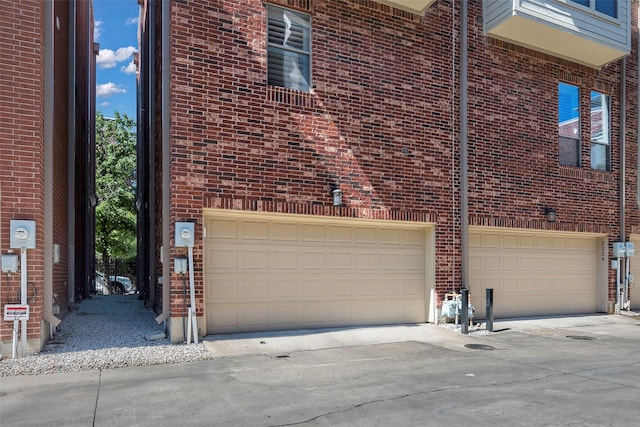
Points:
(283, 288)
(366, 310)
(338, 234)
(341, 288)
(253, 289)
(543, 263)
(543, 243)
(413, 262)
(509, 241)
(558, 264)
(366, 261)
(254, 259)
(413, 238)
(413, 287)
(526, 264)
(558, 243)
(363, 287)
(311, 260)
(389, 236)
(527, 242)
(534, 274)
(340, 261)
(285, 259)
(312, 288)
(312, 275)
(541, 285)
(492, 263)
(365, 235)
(313, 233)
(223, 229)
(491, 241)
(255, 230)
(225, 318)
(225, 288)
(220, 259)
(475, 240)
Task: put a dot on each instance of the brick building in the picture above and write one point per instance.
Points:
(47, 92)
(350, 162)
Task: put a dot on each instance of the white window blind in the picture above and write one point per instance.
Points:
(289, 48)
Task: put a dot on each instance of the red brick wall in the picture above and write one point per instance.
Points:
(61, 208)
(382, 122)
(21, 143)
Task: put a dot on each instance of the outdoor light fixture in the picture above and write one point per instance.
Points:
(337, 197)
(336, 192)
(551, 214)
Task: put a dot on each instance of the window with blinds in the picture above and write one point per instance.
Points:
(288, 48)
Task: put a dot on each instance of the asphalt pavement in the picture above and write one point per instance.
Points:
(582, 370)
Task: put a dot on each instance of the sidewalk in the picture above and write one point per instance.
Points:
(577, 370)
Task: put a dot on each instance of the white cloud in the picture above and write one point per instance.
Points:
(105, 104)
(108, 89)
(109, 59)
(97, 31)
(131, 21)
(129, 69)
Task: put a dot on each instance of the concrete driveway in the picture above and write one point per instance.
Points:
(570, 371)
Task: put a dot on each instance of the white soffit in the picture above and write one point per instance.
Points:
(414, 6)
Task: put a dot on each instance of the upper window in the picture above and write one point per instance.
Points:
(288, 48)
(608, 7)
(569, 124)
(600, 135)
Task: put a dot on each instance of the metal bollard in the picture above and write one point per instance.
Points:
(464, 316)
(489, 311)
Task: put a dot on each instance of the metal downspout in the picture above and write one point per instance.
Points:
(48, 162)
(464, 141)
(638, 123)
(623, 128)
(151, 152)
(166, 181)
(622, 187)
(71, 154)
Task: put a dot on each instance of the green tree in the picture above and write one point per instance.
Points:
(115, 187)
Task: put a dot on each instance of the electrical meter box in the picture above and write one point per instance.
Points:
(631, 249)
(180, 265)
(23, 234)
(9, 263)
(619, 250)
(184, 234)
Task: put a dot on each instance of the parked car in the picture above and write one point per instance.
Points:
(121, 284)
(116, 285)
(100, 284)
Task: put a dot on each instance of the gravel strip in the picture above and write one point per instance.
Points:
(105, 332)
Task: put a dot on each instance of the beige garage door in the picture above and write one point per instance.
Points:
(290, 272)
(533, 274)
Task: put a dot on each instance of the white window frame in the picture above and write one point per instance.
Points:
(602, 138)
(593, 10)
(295, 78)
(563, 139)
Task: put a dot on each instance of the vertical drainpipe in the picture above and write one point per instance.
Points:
(638, 121)
(622, 186)
(49, 34)
(464, 139)
(151, 151)
(623, 128)
(166, 218)
(71, 136)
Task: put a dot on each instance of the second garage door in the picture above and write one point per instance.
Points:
(534, 274)
(287, 272)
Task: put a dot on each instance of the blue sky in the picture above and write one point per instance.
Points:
(116, 30)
